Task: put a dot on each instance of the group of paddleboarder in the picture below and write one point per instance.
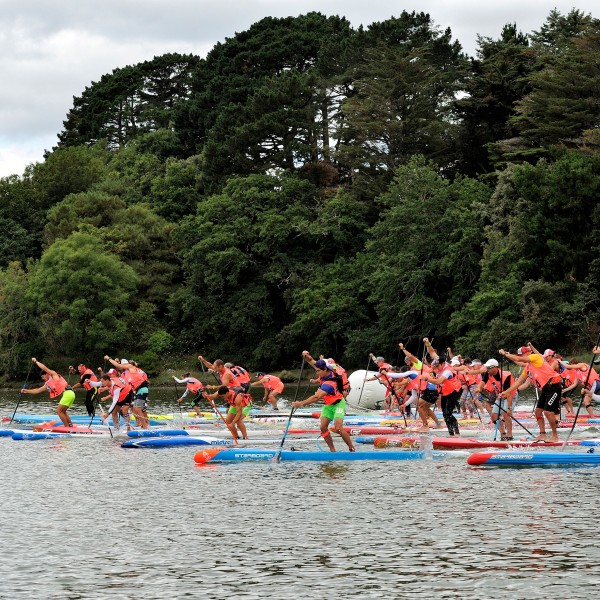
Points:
(451, 384)
(125, 384)
(461, 383)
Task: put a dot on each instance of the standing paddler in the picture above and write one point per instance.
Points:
(546, 379)
(273, 387)
(330, 392)
(56, 385)
(239, 403)
(194, 387)
(85, 376)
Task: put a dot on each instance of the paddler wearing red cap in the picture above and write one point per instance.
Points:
(546, 379)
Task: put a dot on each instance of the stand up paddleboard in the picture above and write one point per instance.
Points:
(212, 455)
(532, 459)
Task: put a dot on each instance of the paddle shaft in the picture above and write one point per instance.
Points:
(179, 404)
(511, 416)
(231, 429)
(468, 387)
(393, 392)
(278, 454)
(21, 394)
(587, 378)
(102, 409)
(363, 383)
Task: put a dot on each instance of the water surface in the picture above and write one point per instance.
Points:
(84, 518)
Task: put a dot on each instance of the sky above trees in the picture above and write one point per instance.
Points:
(49, 52)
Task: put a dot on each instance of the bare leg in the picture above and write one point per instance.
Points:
(61, 411)
(553, 425)
(326, 434)
(338, 425)
(539, 416)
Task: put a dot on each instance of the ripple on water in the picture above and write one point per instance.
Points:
(87, 519)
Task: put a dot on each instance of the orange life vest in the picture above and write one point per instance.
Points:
(336, 395)
(56, 386)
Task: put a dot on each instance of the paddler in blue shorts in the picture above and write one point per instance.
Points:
(335, 405)
(57, 387)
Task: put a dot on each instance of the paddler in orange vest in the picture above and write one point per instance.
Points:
(273, 386)
(239, 403)
(494, 381)
(138, 380)
(591, 391)
(226, 377)
(339, 371)
(121, 394)
(546, 379)
(445, 376)
(242, 376)
(57, 387)
(335, 405)
(85, 376)
(194, 387)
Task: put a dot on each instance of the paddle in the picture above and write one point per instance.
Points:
(513, 418)
(231, 429)
(179, 404)
(363, 383)
(277, 456)
(393, 392)
(94, 406)
(103, 411)
(21, 394)
(468, 387)
(590, 367)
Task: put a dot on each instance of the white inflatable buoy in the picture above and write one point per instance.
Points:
(368, 395)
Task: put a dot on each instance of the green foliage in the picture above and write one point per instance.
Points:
(160, 342)
(500, 78)
(80, 292)
(19, 327)
(563, 102)
(309, 185)
(542, 222)
(132, 100)
(149, 362)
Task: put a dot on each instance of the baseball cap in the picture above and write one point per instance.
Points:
(111, 371)
(322, 364)
(259, 373)
(228, 365)
(455, 362)
(491, 363)
(548, 352)
(379, 359)
(523, 350)
(124, 361)
(475, 362)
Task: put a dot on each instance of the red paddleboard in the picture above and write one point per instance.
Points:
(465, 443)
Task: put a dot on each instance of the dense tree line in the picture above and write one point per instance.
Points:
(309, 184)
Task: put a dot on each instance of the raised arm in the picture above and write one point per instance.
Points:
(44, 367)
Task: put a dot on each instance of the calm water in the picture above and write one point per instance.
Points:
(84, 518)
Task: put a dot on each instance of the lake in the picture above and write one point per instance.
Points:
(85, 518)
